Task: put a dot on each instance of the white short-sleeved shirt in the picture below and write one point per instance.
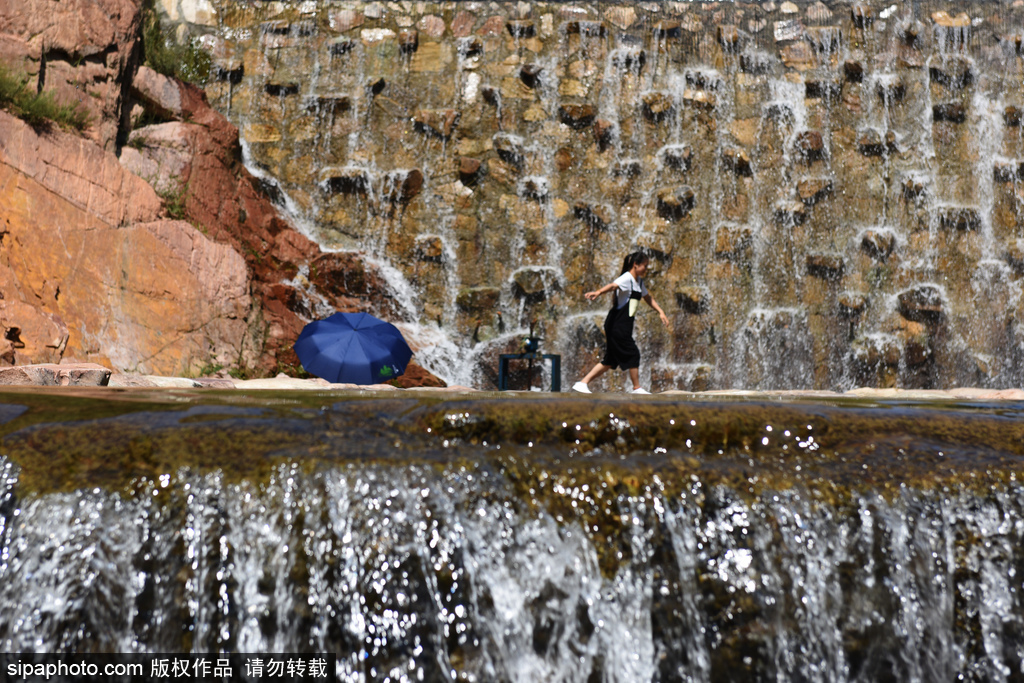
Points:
(627, 283)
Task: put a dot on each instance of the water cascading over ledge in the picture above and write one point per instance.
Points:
(520, 540)
(831, 191)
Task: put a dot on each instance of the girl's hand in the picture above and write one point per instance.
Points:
(590, 296)
(664, 318)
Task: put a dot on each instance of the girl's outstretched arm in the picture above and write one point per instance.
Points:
(654, 304)
(590, 296)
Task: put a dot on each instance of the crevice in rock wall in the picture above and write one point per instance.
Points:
(124, 119)
(41, 76)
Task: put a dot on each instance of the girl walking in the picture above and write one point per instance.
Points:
(621, 351)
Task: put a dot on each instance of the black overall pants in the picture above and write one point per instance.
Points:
(622, 351)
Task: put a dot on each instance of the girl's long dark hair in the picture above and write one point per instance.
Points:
(636, 258)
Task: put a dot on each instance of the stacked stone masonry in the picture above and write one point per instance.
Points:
(831, 192)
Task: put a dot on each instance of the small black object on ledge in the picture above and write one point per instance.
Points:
(531, 352)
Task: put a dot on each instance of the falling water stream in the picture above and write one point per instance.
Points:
(830, 191)
(534, 539)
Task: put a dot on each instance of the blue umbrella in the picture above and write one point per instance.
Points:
(354, 348)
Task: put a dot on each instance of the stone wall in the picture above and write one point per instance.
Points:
(831, 191)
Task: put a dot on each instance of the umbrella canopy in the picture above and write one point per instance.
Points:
(354, 348)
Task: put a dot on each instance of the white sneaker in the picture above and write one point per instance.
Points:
(640, 390)
(581, 387)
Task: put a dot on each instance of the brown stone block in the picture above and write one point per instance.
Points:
(878, 243)
(675, 203)
(346, 20)
(462, 24)
(810, 145)
(593, 29)
(853, 71)
(871, 144)
(733, 242)
(416, 377)
(577, 116)
(597, 217)
(952, 112)
(408, 41)
(813, 190)
(530, 75)
(737, 161)
(438, 122)
(694, 300)
(1008, 171)
(478, 301)
(755, 63)
(852, 304)
(1013, 254)
(954, 73)
(799, 56)
(728, 36)
(945, 20)
(521, 28)
(431, 25)
(959, 218)
(667, 29)
(470, 170)
(339, 47)
(564, 159)
(430, 57)
(493, 26)
(825, 266)
(914, 189)
(891, 91)
(676, 157)
(345, 180)
(622, 16)
(536, 188)
(402, 186)
(604, 133)
(862, 15)
(735, 207)
(513, 88)
(627, 168)
(922, 304)
(429, 248)
(657, 106)
(790, 212)
(534, 284)
(909, 57)
(822, 89)
(699, 99)
(660, 247)
(1012, 116)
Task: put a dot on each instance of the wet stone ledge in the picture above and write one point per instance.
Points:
(839, 445)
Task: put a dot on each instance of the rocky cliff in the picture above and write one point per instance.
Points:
(146, 248)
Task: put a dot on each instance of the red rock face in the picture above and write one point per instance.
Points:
(166, 260)
(86, 248)
(198, 164)
(94, 264)
(79, 49)
(416, 377)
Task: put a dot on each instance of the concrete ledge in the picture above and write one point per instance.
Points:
(93, 375)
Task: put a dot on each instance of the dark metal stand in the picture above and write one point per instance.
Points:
(556, 367)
